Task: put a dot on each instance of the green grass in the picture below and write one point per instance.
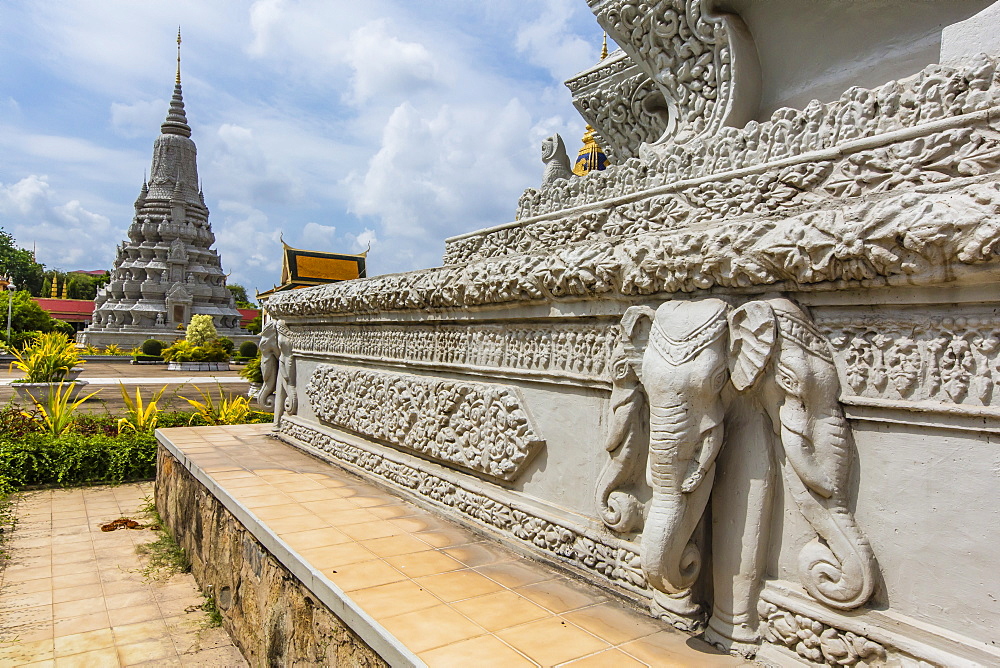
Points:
(164, 557)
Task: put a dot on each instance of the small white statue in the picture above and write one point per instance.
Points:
(556, 160)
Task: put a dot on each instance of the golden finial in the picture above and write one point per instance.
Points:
(604, 47)
(178, 54)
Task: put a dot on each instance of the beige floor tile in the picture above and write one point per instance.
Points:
(139, 632)
(296, 524)
(78, 607)
(133, 614)
(36, 614)
(392, 511)
(613, 623)
(329, 504)
(146, 650)
(426, 629)
(343, 518)
(363, 575)
(27, 600)
(561, 595)
(323, 537)
(20, 653)
(371, 501)
(26, 587)
(477, 554)
(674, 649)
(376, 528)
(611, 658)
(101, 658)
(129, 599)
(316, 494)
(500, 610)
(83, 642)
(392, 599)
(418, 564)
(76, 580)
(335, 556)
(280, 511)
(26, 632)
(517, 573)
(64, 594)
(481, 652)
(20, 573)
(552, 641)
(74, 568)
(91, 621)
(446, 537)
(458, 585)
(124, 586)
(391, 546)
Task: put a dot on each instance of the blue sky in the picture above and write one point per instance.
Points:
(336, 124)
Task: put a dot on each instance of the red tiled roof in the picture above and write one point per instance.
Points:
(71, 310)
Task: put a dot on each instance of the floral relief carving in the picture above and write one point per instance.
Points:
(479, 427)
(953, 360)
(613, 562)
(815, 641)
(908, 234)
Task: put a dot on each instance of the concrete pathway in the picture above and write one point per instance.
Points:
(72, 595)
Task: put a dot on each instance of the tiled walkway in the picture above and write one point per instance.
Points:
(72, 595)
(449, 596)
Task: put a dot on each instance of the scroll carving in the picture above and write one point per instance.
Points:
(704, 64)
(478, 427)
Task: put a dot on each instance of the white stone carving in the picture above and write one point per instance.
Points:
(479, 427)
(704, 63)
(814, 641)
(557, 165)
(906, 237)
(571, 350)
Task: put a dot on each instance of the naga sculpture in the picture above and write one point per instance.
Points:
(557, 165)
(765, 376)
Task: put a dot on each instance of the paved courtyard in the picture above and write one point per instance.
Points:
(105, 376)
(73, 595)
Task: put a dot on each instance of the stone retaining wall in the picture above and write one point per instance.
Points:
(269, 614)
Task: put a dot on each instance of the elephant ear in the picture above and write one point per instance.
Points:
(752, 335)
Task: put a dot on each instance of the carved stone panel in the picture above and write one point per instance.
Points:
(475, 426)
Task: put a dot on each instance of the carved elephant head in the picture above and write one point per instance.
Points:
(777, 354)
(774, 358)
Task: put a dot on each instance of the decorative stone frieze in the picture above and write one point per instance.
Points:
(561, 349)
(614, 561)
(815, 641)
(910, 237)
(952, 359)
(479, 427)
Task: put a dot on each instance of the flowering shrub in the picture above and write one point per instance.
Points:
(201, 330)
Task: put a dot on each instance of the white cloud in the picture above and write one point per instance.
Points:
(65, 234)
(138, 119)
(249, 245)
(548, 41)
(319, 237)
(386, 66)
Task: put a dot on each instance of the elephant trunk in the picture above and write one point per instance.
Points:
(671, 560)
(838, 568)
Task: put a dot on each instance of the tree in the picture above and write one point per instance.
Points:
(201, 330)
(240, 295)
(20, 265)
(28, 316)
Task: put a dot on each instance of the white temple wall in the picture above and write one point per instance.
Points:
(836, 44)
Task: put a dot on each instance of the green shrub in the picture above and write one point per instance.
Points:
(252, 371)
(227, 344)
(152, 347)
(73, 459)
(185, 351)
(201, 330)
(47, 359)
(248, 349)
(147, 358)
